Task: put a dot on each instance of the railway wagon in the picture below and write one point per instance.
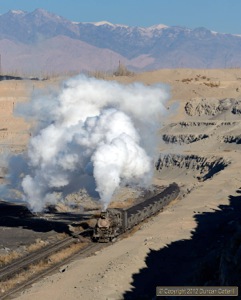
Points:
(139, 212)
(115, 221)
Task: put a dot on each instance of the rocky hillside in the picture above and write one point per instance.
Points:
(43, 42)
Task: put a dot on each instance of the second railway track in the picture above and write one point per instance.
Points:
(22, 264)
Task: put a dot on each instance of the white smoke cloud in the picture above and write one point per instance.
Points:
(91, 128)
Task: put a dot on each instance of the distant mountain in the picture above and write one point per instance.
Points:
(40, 41)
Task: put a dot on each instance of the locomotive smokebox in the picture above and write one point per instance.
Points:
(103, 221)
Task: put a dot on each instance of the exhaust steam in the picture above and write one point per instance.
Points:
(92, 134)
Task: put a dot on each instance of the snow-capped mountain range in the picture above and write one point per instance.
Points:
(42, 42)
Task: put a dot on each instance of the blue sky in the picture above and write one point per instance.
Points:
(218, 15)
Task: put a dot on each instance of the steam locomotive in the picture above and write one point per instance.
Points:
(115, 221)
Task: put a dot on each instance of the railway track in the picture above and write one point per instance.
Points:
(20, 264)
(10, 271)
(16, 267)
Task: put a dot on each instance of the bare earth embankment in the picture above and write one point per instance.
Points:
(196, 240)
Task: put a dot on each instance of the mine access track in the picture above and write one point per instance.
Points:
(23, 263)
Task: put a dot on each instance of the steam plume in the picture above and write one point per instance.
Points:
(90, 129)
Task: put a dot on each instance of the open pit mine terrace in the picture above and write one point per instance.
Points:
(191, 152)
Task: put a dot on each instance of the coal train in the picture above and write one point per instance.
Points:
(115, 221)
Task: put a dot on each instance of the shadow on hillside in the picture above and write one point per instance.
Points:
(196, 262)
(17, 215)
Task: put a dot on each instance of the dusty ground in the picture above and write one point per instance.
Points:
(201, 152)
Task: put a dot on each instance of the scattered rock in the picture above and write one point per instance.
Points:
(63, 268)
